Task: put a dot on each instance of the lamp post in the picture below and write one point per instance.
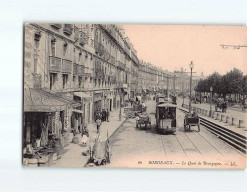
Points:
(120, 110)
(191, 67)
(210, 112)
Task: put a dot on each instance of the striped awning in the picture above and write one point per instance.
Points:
(38, 100)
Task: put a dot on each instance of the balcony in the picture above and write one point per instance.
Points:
(102, 49)
(57, 26)
(99, 48)
(81, 70)
(107, 56)
(76, 33)
(112, 60)
(88, 75)
(121, 65)
(75, 69)
(55, 64)
(83, 38)
(67, 66)
(67, 29)
(99, 74)
(119, 84)
(112, 79)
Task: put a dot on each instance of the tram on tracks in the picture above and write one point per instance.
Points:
(165, 115)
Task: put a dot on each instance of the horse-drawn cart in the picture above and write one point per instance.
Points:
(191, 120)
(143, 119)
(131, 112)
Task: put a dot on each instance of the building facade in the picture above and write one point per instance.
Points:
(71, 71)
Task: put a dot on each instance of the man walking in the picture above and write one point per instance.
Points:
(98, 123)
(107, 115)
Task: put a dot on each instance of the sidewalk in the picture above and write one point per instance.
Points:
(231, 112)
(234, 128)
(72, 154)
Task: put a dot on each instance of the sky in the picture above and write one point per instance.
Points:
(172, 47)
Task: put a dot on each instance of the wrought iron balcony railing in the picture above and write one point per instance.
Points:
(112, 60)
(121, 65)
(88, 75)
(55, 64)
(83, 38)
(68, 29)
(58, 26)
(75, 69)
(81, 70)
(76, 33)
(67, 66)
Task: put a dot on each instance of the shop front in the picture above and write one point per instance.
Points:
(97, 102)
(44, 127)
(85, 100)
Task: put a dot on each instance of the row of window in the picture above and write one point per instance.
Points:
(77, 80)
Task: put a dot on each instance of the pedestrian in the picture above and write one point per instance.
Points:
(85, 136)
(103, 115)
(98, 124)
(137, 119)
(107, 115)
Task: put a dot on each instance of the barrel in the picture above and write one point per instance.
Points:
(57, 147)
(75, 140)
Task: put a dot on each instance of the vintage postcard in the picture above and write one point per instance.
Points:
(134, 96)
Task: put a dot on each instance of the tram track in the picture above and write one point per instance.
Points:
(230, 137)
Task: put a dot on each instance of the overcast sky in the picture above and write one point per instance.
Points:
(173, 47)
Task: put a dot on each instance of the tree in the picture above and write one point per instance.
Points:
(232, 82)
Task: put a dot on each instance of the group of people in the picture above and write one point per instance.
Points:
(102, 115)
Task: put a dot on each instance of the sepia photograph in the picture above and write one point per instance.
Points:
(134, 96)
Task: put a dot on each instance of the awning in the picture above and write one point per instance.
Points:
(78, 111)
(38, 100)
(82, 95)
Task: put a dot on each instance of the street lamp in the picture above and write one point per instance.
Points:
(191, 67)
(210, 112)
(120, 109)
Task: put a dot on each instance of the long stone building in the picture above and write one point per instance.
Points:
(73, 70)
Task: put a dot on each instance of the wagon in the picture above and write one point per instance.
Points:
(191, 120)
(143, 120)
